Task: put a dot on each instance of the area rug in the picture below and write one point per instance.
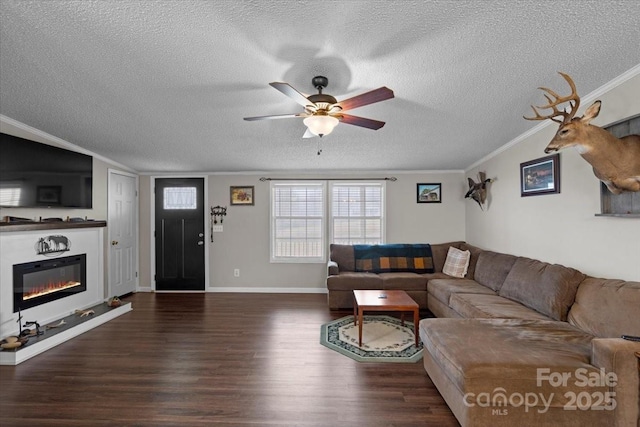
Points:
(384, 339)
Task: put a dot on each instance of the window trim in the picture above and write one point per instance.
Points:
(272, 218)
(361, 183)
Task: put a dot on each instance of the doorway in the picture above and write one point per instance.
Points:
(179, 234)
(123, 233)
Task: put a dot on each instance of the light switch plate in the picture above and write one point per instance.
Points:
(217, 229)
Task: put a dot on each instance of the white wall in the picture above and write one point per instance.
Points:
(244, 243)
(559, 228)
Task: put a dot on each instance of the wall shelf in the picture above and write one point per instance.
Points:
(613, 215)
(48, 225)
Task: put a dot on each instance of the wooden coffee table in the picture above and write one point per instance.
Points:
(384, 301)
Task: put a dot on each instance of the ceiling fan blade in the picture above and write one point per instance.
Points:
(367, 98)
(279, 116)
(361, 121)
(292, 93)
(309, 134)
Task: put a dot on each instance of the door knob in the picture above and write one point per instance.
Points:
(200, 243)
(200, 234)
(114, 242)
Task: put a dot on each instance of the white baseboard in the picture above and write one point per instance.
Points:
(269, 290)
(259, 290)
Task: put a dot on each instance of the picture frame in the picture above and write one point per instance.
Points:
(48, 194)
(540, 176)
(429, 192)
(242, 195)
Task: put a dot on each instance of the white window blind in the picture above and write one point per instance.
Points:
(357, 213)
(298, 221)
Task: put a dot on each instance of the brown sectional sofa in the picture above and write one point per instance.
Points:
(342, 279)
(520, 341)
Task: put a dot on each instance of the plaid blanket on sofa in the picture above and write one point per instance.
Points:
(388, 258)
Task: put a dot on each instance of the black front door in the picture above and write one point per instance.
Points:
(179, 234)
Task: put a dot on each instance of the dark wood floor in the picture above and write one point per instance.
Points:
(215, 359)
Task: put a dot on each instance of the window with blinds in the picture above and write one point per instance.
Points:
(357, 213)
(298, 221)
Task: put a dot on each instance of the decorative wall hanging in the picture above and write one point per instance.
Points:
(242, 195)
(218, 212)
(429, 193)
(217, 215)
(615, 161)
(540, 176)
(52, 245)
(478, 190)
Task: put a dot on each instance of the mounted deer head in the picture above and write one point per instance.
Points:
(615, 161)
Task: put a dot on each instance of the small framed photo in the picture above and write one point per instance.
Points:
(540, 176)
(49, 195)
(242, 195)
(429, 193)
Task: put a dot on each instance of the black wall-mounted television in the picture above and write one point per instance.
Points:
(34, 175)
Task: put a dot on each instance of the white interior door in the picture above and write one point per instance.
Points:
(123, 233)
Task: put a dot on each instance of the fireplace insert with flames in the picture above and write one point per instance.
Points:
(40, 282)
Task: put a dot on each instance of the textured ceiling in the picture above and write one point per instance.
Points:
(163, 86)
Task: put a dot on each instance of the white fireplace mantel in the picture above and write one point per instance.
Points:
(18, 245)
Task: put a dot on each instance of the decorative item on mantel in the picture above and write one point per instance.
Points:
(52, 245)
(114, 302)
(85, 313)
(478, 190)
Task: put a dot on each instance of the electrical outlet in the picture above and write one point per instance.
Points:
(236, 272)
(217, 229)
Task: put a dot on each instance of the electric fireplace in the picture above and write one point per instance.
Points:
(40, 282)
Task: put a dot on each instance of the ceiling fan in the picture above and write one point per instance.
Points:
(323, 112)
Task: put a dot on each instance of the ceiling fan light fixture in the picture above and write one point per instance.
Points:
(321, 124)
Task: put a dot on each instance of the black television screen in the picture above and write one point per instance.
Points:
(34, 175)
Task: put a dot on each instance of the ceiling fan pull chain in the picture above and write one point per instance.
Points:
(319, 149)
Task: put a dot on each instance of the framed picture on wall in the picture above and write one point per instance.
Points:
(540, 176)
(242, 195)
(429, 193)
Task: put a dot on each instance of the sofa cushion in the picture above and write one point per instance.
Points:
(547, 288)
(439, 254)
(481, 355)
(457, 262)
(475, 254)
(403, 281)
(350, 280)
(343, 256)
(491, 306)
(607, 308)
(492, 269)
(442, 289)
(396, 257)
(431, 276)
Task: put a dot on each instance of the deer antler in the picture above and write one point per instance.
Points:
(573, 99)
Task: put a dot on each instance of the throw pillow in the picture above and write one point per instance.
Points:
(457, 262)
